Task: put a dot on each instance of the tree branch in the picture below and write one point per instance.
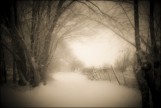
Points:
(126, 14)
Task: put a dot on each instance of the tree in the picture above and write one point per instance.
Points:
(3, 72)
(30, 51)
(153, 76)
(139, 75)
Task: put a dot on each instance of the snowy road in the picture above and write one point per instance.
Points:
(75, 90)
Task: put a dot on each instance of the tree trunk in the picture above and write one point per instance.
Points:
(153, 76)
(139, 74)
(137, 36)
(21, 50)
(33, 26)
(152, 32)
(21, 64)
(45, 54)
(14, 71)
(3, 72)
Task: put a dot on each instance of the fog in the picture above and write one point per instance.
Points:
(103, 47)
(72, 89)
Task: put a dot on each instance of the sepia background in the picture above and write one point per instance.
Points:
(80, 53)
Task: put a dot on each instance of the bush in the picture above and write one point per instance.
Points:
(124, 62)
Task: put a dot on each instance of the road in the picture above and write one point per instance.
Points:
(74, 90)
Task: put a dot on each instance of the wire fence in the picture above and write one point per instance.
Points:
(110, 75)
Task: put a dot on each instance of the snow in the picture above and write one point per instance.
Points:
(69, 89)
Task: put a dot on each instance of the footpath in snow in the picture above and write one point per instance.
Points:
(70, 89)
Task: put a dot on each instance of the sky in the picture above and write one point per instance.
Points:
(103, 47)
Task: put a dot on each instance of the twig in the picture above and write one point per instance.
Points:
(126, 15)
(115, 76)
(124, 78)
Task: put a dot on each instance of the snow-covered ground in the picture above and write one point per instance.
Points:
(73, 90)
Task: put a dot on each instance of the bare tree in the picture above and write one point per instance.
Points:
(139, 75)
(30, 49)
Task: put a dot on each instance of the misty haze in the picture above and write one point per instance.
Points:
(80, 53)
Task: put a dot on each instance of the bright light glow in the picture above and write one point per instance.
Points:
(68, 77)
(103, 47)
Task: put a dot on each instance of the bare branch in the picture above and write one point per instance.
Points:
(13, 53)
(86, 5)
(126, 15)
(110, 29)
